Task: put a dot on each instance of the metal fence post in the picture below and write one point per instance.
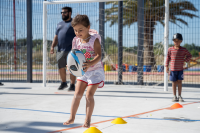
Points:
(29, 41)
(101, 25)
(15, 45)
(120, 40)
(140, 16)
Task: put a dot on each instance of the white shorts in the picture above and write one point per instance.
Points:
(93, 78)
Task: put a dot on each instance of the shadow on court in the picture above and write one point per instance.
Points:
(32, 127)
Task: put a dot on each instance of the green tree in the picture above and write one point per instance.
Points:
(110, 46)
(193, 49)
(1, 42)
(37, 44)
(131, 49)
(154, 12)
(21, 42)
(194, 53)
(110, 41)
(159, 49)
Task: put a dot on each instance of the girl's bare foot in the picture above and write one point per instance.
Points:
(86, 124)
(70, 121)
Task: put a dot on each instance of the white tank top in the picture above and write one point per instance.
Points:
(88, 49)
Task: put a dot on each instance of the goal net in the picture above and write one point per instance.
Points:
(153, 41)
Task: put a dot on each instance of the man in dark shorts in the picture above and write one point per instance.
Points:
(64, 36)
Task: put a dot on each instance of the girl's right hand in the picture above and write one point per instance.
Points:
(86, 65)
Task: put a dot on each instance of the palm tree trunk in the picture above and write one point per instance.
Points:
(148, 44)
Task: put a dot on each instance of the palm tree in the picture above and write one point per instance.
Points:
(154, 12)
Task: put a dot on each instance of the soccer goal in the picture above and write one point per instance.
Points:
(155, 55)
(78, 6)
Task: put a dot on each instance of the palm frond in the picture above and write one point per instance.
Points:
(154, 11)
(112, 18)
(182, 21)
(174, 22)
(184, 5)
(112, 2)
(182, 13)
(112, 10)
(161, 22)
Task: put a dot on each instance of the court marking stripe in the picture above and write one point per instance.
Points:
(121, 117)
(54, 112)
(164, 119)
(100, 115)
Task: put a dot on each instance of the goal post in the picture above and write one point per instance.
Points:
(156, 40)
(44, 42)
(45, 3)
(166, 43)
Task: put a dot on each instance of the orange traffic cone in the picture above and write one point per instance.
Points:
(176, 106)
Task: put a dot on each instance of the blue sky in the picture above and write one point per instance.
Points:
(190, 33)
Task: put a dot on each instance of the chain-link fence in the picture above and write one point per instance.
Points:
(184, 19)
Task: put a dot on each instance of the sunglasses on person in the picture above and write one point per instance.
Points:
(63, 12)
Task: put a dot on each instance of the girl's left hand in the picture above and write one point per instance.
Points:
(86, 65)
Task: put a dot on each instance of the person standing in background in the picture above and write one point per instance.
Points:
(177, 55)
(63, 39)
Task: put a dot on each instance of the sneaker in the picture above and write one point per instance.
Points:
(72, 87)
(174, 99)
(180, 99)
(1, 84)
(62, 86)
